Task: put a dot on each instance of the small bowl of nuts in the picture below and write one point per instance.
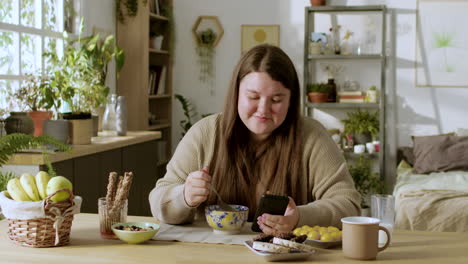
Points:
(135, 232)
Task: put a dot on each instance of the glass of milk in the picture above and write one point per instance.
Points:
(383, 208)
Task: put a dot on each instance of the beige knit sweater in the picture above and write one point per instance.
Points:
(328, 186)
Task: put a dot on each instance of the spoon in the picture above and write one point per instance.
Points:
(222, 205)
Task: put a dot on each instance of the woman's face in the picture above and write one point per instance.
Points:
(263, 104)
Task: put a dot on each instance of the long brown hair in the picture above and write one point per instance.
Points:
(237, 166)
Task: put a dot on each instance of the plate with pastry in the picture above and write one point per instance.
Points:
(320, 236)
(283, 247)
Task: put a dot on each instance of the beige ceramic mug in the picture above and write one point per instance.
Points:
(360, 237)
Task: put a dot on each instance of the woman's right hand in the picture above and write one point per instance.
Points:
(197, 187)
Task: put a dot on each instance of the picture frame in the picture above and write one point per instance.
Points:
(253, 35)
(440, 56)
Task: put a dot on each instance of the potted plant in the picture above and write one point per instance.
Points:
(205, 50)
(79, 79)
(30, 95)
(366, 181)
(371, 95)
(318, 92)
(363, 125)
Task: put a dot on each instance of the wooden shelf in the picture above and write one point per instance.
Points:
(159, 96)
(159, 126)
(144, 62)
(156, 17)
(156, 51)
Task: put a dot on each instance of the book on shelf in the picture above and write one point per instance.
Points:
(157, 80)
(162, 81)
(340, 93)
(351, 97)
(361, 100)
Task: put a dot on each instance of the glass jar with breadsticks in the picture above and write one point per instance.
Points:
(113, 208)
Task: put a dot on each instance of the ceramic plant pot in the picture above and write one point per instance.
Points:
(58, 129)
(318, 2)
(19, 122)
(317, 97)
(38, 118)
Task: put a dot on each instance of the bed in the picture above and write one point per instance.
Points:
(431, 191)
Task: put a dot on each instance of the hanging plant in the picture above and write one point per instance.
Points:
(131, 7)
(206, 52)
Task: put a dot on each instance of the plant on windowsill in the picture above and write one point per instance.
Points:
(365, 181)
(363, 125)
(79, 78)
(318, 92)
(30, 95)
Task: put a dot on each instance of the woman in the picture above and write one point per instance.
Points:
(259, 143)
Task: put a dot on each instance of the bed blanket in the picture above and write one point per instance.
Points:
(432, 210)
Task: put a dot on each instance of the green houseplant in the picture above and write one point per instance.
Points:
(365, 181)
(318, 92)
(189, 113)
(205, 51)
(362, 125)
(30, 94)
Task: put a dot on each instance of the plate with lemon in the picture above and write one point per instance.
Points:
(320, 236)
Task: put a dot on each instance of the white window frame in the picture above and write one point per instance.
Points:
(39, 32)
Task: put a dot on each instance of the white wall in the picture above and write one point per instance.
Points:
(410, 110)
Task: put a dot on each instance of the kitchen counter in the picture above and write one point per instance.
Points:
(103, 142)
(88, 166)
(86, 246)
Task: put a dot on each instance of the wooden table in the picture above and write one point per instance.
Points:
(87, 247)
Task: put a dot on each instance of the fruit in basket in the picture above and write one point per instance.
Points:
(29, 186)
(58, 183)
(16, 190)
(42, 178)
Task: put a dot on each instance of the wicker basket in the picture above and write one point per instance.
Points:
(42, 232)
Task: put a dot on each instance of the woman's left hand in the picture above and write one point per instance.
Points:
(276, 224)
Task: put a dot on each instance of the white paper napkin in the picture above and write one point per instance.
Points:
(200, 232)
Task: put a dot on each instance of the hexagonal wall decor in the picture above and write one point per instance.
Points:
(207, 31)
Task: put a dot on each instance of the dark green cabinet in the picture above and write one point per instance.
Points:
(90, 173)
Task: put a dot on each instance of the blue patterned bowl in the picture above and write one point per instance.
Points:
(224, 222)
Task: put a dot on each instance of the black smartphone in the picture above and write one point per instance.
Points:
(270, 204)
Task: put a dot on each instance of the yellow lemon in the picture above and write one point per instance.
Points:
(297, 231)
(313, 235)
(316, 227)
(323, 230)
(333, 229)
(335, 236)
(326, 237)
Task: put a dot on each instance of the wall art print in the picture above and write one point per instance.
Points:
(441, 43)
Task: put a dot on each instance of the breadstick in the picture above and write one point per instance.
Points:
(111, 189)
(122, 192)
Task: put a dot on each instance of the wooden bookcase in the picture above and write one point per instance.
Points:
(148, 109)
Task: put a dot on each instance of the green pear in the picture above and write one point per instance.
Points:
(29, 186)
(58, 183)
(42, 178)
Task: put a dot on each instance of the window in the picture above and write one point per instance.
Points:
(28, 28)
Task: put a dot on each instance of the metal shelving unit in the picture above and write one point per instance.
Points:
(309, 61)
